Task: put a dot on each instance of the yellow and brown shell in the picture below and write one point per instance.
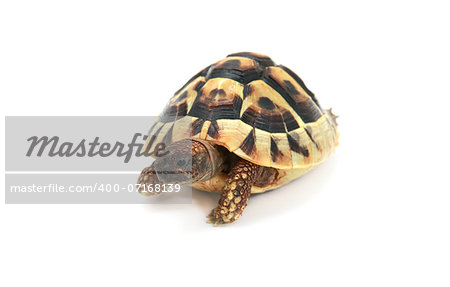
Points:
(258, 110)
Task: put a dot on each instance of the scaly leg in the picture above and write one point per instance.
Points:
(148, 178)
(236, 193)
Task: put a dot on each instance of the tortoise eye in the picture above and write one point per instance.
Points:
(181, 162)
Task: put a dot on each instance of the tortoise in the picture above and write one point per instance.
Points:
(242, 125)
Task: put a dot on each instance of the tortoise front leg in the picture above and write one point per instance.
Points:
(235, 194)
(146, 178)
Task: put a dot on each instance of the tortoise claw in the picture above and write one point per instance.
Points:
(213, 220)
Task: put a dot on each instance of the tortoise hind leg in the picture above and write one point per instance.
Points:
(236, 193)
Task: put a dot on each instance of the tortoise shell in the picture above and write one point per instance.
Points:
(258, 110)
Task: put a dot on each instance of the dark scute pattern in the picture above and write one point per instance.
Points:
(243, 76)
(275, 152)
(309, 133)
(199, 86)
(301, 83)
(174, 112)
(296, 147)
(202, 73)
(231, 64)
(265, 103)
(290, 88)
(181, 97)
(270, 122)
(289, 121)
(196, 127)
(155, 135)
(248, 145)
(308, 111)
(213, 130)
(247, 90)
(182, 110)
(206, 109)
(217, 93)
(263, 61)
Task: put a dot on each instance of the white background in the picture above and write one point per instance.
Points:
(376, 214)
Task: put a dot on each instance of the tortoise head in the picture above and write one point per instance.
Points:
(187, 161)
(174, 165)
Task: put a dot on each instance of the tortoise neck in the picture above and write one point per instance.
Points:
(207, 160)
